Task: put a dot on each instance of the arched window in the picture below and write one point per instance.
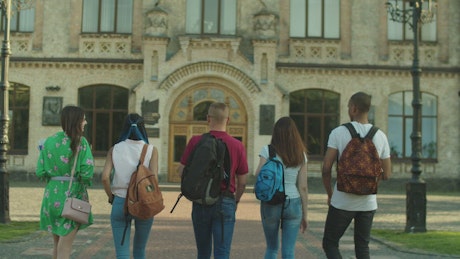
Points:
(316, 112)
(400, 121)
(106, 107)
(18, 132)
(200, 111)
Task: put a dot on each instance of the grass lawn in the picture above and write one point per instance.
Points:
(17, 230)
(440, 242)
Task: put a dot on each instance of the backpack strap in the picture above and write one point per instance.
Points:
(371, 132)
(351, 129)
(271, 151)
(141, 161)
(226, 165)
(272, 154)
(142, 157)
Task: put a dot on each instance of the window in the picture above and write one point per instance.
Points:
(211, 17)
(107, 16)
(200, 111)
(402, 31)
(22, 21)
(18, 131)
(105, 108)
(315, 19)
(316, 112)
(400, 119)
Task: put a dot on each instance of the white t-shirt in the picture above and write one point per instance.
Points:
(125, 158)
(290, 175)
(338, 139)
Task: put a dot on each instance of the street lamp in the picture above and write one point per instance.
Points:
(416, 187)
(5, 5)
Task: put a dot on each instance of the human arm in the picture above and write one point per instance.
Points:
(240, 186)
(180, 169)
(329, 158)
(153, 165)
(85, 167)
(40, 170)
(262, 161)
(302, 184)
(108, 166)
(386, 166)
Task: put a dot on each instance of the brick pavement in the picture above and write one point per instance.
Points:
(172, 234)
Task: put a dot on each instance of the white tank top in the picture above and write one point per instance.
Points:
(125, 158)
(290, 175)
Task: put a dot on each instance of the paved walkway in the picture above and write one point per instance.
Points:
(172, 234)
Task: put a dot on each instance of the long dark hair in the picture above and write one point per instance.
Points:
(287, 142)
(134, 128)
(71, 119)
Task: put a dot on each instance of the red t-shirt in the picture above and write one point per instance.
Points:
(238, 162)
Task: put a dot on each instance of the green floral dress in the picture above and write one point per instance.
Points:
(56, 159)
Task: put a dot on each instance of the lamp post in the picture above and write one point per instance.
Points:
(416, 187)
(4, 84)
(5, 6)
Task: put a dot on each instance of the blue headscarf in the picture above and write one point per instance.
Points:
(134, 130)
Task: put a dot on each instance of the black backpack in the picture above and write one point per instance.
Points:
(206, 169)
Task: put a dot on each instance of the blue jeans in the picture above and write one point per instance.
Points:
(289, 222)
(214, 223)
(141, 234)
(337, 222)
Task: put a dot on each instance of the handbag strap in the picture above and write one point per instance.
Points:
(73, 172)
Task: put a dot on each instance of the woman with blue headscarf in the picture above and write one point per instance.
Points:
(123, 159)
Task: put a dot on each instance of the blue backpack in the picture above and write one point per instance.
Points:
(269, 186)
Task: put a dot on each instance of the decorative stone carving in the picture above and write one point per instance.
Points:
(265, 24)
(157, 24)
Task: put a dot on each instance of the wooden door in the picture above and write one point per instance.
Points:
(188, 118)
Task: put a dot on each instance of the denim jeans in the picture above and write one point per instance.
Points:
(337, 222)
(214, 223)
(141, 234)
(289, 222)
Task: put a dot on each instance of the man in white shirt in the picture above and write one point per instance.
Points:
(345, 207)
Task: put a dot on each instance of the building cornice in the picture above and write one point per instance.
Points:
(363, 69)
(29, 62)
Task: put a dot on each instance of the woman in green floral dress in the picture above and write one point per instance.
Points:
(54, 166)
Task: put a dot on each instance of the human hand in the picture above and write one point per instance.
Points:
(111, 198)
(303, 225)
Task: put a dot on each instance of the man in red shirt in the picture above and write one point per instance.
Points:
(216, 222)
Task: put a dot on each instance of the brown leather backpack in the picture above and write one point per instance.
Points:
(143, 199)
(359, 168)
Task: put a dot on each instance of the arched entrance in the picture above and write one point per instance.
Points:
(188, 118)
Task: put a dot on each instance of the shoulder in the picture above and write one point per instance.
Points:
(339, 132)
(380, 134)
(264, 152)
(380, 138)
(194, 140)
(84, 141)
(152, 147)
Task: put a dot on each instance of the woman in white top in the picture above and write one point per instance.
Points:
(292, 215)
(123, 158)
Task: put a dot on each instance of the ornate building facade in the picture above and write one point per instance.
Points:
(168, 60)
